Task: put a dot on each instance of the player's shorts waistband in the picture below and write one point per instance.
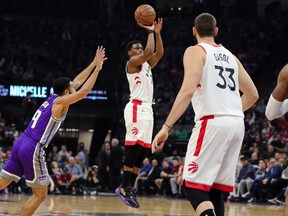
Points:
(139, 102)
(217, 116)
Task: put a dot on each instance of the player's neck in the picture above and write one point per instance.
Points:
(208, 40)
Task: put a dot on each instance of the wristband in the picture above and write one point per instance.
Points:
(167, 125)
(151, 31)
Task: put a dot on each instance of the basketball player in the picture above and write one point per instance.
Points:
(277, 106)
(28, 154)
(213, 77)
(138, 113)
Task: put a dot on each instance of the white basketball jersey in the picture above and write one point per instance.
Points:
(141, 84)
(218, 91)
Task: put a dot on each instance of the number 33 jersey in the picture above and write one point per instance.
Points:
(43, 126)
(218, 91)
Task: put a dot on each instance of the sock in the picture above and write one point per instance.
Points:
(126, 179)
(216, 197)
(133, 178)
(208, 212)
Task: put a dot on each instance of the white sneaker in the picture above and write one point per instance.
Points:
(273, 201)
(93, 193)
(251, 200)
(245, 195)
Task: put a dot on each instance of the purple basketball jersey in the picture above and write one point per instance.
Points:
(43, 127)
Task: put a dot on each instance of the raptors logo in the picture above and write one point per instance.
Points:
(193, 167)
(135, 130)
(137, 79)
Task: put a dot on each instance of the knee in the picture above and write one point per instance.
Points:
(4, 182)
(196, 197)
(40, 193)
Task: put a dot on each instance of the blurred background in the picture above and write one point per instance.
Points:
(43, 40)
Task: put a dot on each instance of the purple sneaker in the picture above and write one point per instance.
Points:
(133, 192)
(127, 196)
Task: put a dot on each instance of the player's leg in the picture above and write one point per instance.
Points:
(216, 198)
(38, 196)
(12, 170)
(225, 179)
(125, 189)
(32, 157)
(200, 201)
(4, 182)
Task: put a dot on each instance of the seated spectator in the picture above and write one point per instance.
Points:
(75, 169)
(278, 186)
(143, 173)
(176, 180)
(91, 180)
(166, 174)
(274, 172)
(245, 177)
(147, 185)
(256, 185)
(67, 182)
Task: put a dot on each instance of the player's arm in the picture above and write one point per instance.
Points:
(193, 60)
(83, 75)
(247, 87)
(68, 99)
(137, 60)
(159, 45)
(277, 105)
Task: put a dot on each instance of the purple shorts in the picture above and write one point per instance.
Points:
(27, 159)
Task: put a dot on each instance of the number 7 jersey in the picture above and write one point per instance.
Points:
(43, 126)
(218, 91)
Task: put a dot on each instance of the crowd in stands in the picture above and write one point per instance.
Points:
(40, 48)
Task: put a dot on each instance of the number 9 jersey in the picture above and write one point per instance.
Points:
(43, 126)
(219, 80)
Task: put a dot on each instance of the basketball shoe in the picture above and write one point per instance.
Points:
(128, 196)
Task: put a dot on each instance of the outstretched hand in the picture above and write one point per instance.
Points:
(99, 57)
(160, 139)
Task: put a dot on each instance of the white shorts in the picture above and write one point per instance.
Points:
(213, 152)
(139, 123)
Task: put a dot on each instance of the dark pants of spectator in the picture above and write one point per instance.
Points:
(276, 188)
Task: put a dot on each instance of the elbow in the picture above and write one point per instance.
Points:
(255, 96)
(83, 93)
(188, 94)
(148, 52)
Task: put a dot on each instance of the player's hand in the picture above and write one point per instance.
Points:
(99, 58)
(158, 26)
(159, 139)
(151, 27)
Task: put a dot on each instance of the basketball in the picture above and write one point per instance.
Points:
(145, 14)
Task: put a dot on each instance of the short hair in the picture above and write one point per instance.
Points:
(129, 46)
(205, 25)
(60, 85)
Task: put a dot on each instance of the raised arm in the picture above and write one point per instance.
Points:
(75, 96)
(83, 75)
(277, 105)
(247, 87)
(159, 45)
(137, 60)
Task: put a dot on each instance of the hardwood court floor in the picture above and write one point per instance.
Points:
(112, 206)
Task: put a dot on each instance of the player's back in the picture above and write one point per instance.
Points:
(43, 126)
(218, 91)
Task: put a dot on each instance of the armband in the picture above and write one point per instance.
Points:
(275, 109)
